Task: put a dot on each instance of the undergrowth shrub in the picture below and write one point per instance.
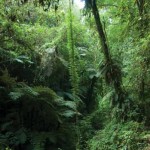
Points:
(88, 127)
(119, 136)
(34, 117)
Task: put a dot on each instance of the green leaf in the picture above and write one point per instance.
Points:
(70, 104)
(18, 60)
(21, 135)
(15, 95)
(68, 113)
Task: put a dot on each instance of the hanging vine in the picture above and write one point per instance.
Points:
(73, 66)
(72, 55)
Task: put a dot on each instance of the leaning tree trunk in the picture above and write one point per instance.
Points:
(113, 74)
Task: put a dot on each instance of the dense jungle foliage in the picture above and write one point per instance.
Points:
(74, 78)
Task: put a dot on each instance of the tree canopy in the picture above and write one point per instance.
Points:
(74, 78)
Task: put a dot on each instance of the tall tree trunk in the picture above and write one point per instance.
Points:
(114, 73)
(140, 4)
(144, 29)
(90, 99)
(100, 30)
